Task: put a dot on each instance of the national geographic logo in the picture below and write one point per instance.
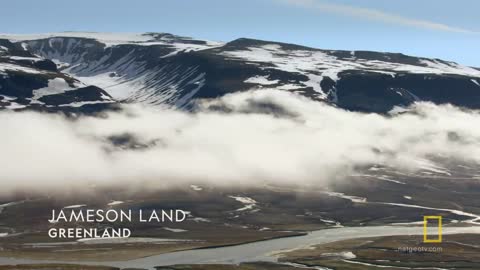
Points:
(432, 229)
(432, 233)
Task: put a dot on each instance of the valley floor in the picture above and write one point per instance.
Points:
(218, 217)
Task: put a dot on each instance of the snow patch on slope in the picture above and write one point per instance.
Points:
(74, 206)
(354, 199)
(55, 86)
(3, 206)
(451, 68)
(263, 80)
(248, 202)
(113, 203)
(4, 67)
(196, 188)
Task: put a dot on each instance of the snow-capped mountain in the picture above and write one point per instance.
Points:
(159, 68)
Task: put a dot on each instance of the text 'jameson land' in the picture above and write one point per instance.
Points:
(111, 216)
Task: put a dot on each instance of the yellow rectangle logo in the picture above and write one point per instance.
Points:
(425, 227)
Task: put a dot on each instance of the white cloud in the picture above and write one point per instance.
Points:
(373, 14)
(306, 142)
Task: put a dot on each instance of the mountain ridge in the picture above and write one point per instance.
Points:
(166, 69)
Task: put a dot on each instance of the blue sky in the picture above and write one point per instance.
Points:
(447, 29)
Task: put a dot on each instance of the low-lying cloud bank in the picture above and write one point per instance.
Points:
(250, 138)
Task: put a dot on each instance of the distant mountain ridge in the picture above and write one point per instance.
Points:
(160, 68)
